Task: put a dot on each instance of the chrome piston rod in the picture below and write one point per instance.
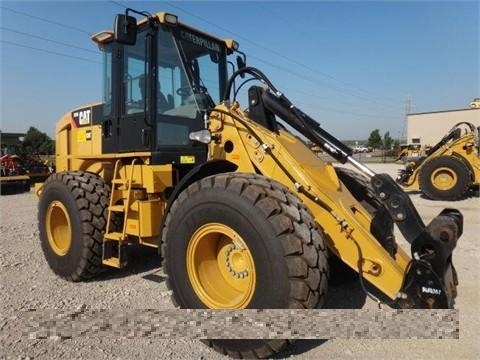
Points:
(361, 166)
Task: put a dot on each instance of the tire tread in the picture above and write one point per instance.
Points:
(91, 196)
(458, 192)
(304, 249)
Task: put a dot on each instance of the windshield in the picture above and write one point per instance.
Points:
(189, 73)
(191, 76)
(204, 59)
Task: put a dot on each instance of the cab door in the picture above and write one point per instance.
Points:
(134, 94)
(111, 96)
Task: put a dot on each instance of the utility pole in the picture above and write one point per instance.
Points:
(408, 110)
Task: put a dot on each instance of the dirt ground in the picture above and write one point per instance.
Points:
(26, 282)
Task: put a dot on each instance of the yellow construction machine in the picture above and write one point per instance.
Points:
(243, 213)
(449, 169)
(475, 104)
(13, 178)
(408, 153)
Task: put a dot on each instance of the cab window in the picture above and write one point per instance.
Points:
(134, 79)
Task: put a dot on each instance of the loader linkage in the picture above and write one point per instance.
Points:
(430, 279)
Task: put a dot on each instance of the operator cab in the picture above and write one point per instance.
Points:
(159, 78)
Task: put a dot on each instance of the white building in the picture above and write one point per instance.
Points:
(429, 127)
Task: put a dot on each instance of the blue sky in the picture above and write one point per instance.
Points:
(350, 65)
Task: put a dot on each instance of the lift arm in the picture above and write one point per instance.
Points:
(429, 279)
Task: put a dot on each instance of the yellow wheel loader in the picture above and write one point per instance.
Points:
(243, 213)
(408, 153)
(449, 169)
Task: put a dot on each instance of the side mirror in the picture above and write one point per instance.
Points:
(125, 29)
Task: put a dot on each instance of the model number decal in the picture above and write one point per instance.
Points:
(429, 290)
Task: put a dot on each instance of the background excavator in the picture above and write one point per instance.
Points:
(243, 213)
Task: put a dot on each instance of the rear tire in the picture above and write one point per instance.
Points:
(72, 215)
(289, 264)
(445, 178)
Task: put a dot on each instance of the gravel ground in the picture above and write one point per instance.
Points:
(26, 282)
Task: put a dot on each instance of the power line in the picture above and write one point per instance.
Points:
(315, 71)
(117, 3)
(408, 110)
(46, 20)
(327, 109)
(48, 51)
(323, 108)
(295, 26)
(254, 57)
(336, 111)
(50, 40)
(303, 77)
(205, 20)
(274, 52)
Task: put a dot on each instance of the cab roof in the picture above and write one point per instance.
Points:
(106, 36)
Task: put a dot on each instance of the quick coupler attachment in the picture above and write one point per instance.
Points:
(403, 175)
(430, 280)
(398, 205)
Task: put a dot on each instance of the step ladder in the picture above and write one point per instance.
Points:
(114, 242)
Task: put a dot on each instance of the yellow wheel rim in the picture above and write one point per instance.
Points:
(220, 267)
(444, 178)
(59, 229)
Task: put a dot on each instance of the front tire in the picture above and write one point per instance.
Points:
(256, 240)
(444, 178)
(72, 215)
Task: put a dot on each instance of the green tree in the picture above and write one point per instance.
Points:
(37, 142)
(387, 140)
(375, 139)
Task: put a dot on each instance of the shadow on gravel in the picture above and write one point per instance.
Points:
(299, 347)
(154, 277)
(349, 295)
(140, 259)
(12, 189)
(471, 193)
(413, 192)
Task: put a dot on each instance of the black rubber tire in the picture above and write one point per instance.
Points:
(288, 250)
(85, 197)
(381, 226)
(419, 161)
(26, 186)
(357, 184)
(457, 192)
